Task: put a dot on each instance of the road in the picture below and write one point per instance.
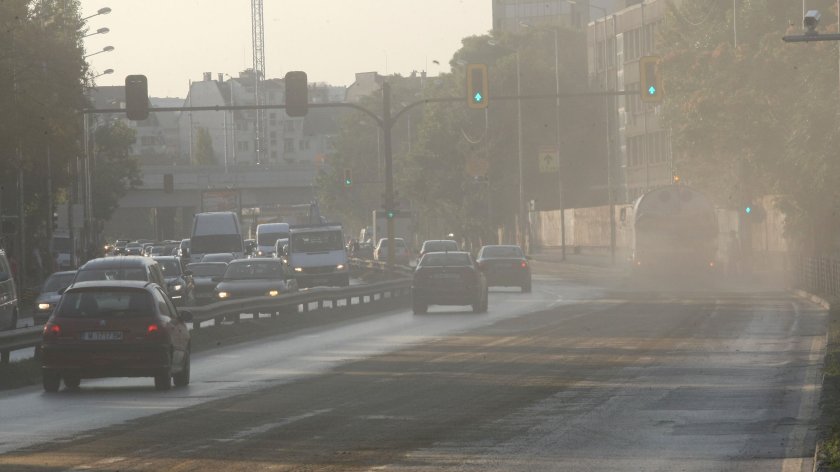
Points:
(571, 377)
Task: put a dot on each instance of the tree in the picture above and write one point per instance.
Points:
(114, 171)
(204, 153)
(760, 118)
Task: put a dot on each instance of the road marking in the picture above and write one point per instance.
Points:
(250, 432)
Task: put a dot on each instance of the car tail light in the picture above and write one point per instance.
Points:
(152, 329)
(52, 330)
(524, 265)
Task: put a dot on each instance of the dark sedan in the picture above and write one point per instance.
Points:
(253, 278)
(179, 282)
(205, 278)
(505, 266)
(448, 278)
(49, 296)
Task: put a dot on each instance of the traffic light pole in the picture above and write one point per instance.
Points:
(387, 124)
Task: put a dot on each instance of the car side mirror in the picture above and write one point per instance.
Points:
(186, 315)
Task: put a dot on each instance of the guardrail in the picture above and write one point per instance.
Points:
(318, 298)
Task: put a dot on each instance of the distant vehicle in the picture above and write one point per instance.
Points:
(448, 278)
(505, 266)
(280, 248)
(250, 247)
(112, 328)
(403, 226)
(225, 257)
(179, 282)
(675, 231)
(121, 268)
(62, 249)
(254, 278)
(133, 249)
(216, 232)
(317, 256)
(184, 250)
(402, 255)
(438, 245)
(267, 236)
(8, 295)
(48, 298)
(205, 275)
(119, 247)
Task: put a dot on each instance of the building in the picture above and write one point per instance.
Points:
(513, 15)
(640, 151)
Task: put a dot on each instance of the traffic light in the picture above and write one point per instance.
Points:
(348, 177)
(390, 214)
(136, 97)
(54, 218)
(168, 183)
(650, 79)
(297, 93)
(477, 85)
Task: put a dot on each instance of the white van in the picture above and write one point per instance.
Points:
(216, 232)
(267, 236)
(317, 256)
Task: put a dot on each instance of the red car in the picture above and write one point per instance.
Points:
(115, 328)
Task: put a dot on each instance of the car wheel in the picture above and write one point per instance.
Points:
(51, 380)
(486, 303)
(182, 379)
(527, 287)
(163, 381)
(420, 308)
(72, 382)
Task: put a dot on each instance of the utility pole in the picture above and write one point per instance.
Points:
(387, 123)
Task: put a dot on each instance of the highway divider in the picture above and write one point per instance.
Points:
(303, 301)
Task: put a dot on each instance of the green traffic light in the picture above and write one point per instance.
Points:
(389, 215)
(347, 182)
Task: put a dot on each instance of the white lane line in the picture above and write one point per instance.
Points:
(250, 432)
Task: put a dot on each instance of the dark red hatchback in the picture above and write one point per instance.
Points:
(116, 328)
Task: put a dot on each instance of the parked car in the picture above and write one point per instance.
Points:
(179, 281)
(48, 298)
(505, 266)
(205, 278)
(255, 277)
(448, 278)
(402, 255)
(8, 295)
(109, 328)
(121, 268)
(438, 245)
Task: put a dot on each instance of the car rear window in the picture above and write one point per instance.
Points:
(106, 303)
(501, 251)
(137, 273)
(444, 259)
(440, 246)
(207, 270)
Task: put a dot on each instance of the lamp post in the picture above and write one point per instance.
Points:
(99, 31)
(104, 72)
(101, 11)
(105, 49)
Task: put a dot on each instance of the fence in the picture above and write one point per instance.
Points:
(818, 275)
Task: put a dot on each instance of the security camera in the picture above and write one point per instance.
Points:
(812, 18)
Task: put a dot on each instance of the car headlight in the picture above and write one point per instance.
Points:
(273, 293)
(43, 306)
(177, 287)
(223, 294)
(298, 269)
(259, 253)
(339, 267)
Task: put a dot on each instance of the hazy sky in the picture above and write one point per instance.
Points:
(175, 41)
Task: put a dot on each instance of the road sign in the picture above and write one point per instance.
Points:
(549, 159)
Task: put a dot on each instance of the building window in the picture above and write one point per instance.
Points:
(243, 146)
(289, 126)
(288, 145)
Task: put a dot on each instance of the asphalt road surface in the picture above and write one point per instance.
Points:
(570, 377)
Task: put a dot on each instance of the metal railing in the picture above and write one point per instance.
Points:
(319, 298)
(818, 275)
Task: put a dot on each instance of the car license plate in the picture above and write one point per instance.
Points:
(102, 336)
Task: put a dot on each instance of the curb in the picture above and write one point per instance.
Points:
(826, 305)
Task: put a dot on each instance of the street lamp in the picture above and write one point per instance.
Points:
(105, 72)
(101, 11)
(99, 31)
(105, 49)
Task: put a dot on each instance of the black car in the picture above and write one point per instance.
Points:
(505, 266)
(253, 278)
(448, 278)
(205, 278)
(179, 282)
(48, 298)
